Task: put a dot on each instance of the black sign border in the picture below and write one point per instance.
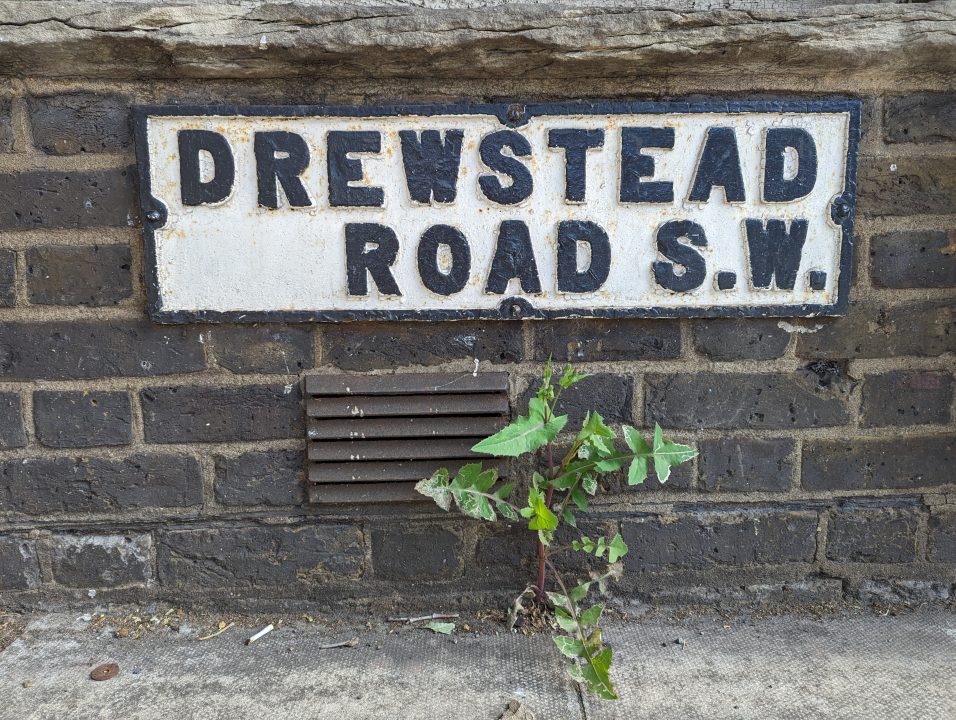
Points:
(511, 115)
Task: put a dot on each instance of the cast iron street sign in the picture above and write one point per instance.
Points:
(422, 212)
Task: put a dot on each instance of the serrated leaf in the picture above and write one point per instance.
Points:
(596, 675)
(485, 511)
(589, 483)
(579, 499)
(504, 491)
(579, 592)
(436, 487)
(569, 646)
(635, 441)
(594, 428)
(440, 627)
(485, 480)
(564, 620)
(569, 377)
(507, 511)
(637, 472)
(617, 549)
(667, 454)
(559, 600)
(568, 517)
(522, 436)
(590, 616)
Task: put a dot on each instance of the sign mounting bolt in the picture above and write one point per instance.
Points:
(841, 209)
(515, 113)
(154, 216)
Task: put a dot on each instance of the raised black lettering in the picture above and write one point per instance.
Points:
(281, 156)
(514, 257)
(362, 261)
(431, 164)
(576, 143)
(191, 186)
(669, 244)
(635, 165)
(775, 251)
(491, 155)
(344, 170)
(428, 267)
(719, 165)
(776, 187)
(570, 234)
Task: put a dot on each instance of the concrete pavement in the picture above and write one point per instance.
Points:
(856, 665)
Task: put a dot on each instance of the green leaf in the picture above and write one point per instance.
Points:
(522, 436)
(440, 627)
(559, 600)
(504, 491)
(568, 517)
(637, 472)
(589, 483)
(667, 454)
(634, 441)
(579, 499)
(485, 480)
(596, 675)
(578, 593)
(436, 487)
(594, 427)
(569, 646)
(569, 377)
(507, 511)
(565, 621)
(617, 549)
(591, 616)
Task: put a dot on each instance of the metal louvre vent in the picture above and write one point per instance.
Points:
(372, 437)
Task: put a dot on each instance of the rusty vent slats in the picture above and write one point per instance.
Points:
(405, 405)
(405, 427)
(371, 437)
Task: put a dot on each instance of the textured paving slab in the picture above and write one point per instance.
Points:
(863, 667)
(410, 675)
(854, 666)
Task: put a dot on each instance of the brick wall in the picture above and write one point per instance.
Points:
(144, 461)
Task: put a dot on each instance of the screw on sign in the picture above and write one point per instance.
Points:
(106, 671)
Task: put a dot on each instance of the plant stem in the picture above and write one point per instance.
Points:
(542, 551)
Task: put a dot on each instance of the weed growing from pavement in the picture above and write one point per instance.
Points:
(552, 500)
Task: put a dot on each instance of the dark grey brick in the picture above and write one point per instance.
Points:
(64, 350)
(66, 199)
(8, 278)
(260, 556)
(90, 561)
(921, 117)
(746, 465)
(719, 400)
(44, 485)
(907, 397)
(504, 556)
(872, 536)
(367, 346)
(874, 330)
(426, 552)
(740, 338)
(877, 463)
(264, 349)
(707, 539)
(942, 536)
(6, 125)
(605, 393)
(918, 185)
(914, 259)
(261, 478)
(68, 275)
(75, 123)
(11, 422)
(19, 569)
(592, 340)
(220, 414)
(82, 419)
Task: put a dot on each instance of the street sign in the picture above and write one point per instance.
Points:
(498, 211)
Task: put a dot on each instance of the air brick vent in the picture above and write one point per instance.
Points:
(372, 437)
